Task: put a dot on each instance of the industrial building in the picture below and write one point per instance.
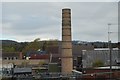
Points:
(89, 57)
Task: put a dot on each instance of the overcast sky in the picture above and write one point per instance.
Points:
(25, 21)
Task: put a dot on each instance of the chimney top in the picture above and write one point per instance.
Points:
(66, 9)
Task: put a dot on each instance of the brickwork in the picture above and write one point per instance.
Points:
(67, 61)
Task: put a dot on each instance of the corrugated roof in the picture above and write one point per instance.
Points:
(22, 70)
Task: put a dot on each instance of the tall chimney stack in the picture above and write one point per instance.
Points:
(66, 56)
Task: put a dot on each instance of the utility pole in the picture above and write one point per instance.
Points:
(110, 50)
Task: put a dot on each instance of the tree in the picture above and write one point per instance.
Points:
(98, 63)
(49, 43)
(32, 46)
(8, 49)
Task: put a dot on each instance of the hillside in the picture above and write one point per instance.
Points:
(14, 46)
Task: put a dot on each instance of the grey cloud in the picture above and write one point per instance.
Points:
(89, 20)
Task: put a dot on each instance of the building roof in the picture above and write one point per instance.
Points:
(22, 70)
(108, 67)
(105, 49)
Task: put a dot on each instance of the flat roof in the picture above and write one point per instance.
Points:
(22, 70)
(108, 67)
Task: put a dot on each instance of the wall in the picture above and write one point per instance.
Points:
(19, 62)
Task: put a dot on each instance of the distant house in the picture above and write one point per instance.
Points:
(37, 55)
(11, 55)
